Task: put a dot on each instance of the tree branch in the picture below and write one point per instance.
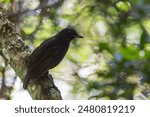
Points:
(16, 53)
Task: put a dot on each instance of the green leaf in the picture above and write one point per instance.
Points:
(130, 53)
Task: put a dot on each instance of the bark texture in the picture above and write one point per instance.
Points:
(16, 53)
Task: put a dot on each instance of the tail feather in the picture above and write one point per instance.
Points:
(26, 81)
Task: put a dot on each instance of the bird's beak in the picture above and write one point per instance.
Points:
(79, 36)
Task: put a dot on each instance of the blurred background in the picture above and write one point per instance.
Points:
(112, 61)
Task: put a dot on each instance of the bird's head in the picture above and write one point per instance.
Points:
(69, 33)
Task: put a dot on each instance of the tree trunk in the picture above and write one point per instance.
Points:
(16, 53)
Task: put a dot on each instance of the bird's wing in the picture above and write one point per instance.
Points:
(41, 55)
(37, 63)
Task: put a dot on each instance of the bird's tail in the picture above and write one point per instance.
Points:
(26, 81)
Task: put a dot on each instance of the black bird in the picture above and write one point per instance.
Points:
(49, 54)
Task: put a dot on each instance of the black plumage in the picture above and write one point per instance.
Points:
(49, 54)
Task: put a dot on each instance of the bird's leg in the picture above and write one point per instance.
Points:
(50, 76)
(47, 85)
(46, 76)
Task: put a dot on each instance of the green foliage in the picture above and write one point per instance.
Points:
(5, 1)
(116, 42)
